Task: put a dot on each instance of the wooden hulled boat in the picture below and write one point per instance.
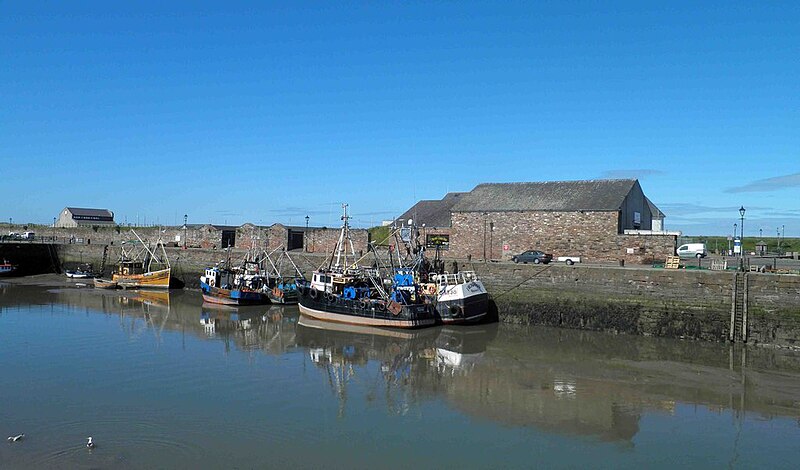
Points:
(105, 283)
(128, 278)
(146, 267)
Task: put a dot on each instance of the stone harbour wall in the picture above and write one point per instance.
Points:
(690, 304)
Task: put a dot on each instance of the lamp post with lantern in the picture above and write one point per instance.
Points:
(741, 227)
(185, 228)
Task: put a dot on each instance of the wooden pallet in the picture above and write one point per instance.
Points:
(672, 262)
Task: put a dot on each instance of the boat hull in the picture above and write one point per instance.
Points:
(155, 279)
(471, 309)
(104, 283)
(466, 302)
(356, 312)
(234, 297)
(8, 270)
(78, 275)
(283, 297)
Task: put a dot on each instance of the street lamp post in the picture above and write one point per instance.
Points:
(783, 232)
(741, 227)
(779, 240)
(306, 222)
(185, 228)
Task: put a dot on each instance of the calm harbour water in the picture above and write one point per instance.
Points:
(161, 381)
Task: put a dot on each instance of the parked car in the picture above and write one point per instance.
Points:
(692, 250)
(532, 256)
(569, 260)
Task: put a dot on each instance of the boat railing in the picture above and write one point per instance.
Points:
(456, 278)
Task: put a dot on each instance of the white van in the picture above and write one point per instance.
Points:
(692, 250)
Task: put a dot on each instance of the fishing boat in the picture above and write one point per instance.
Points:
(280, 288)
(81, 272)
(100, 283)
(457, 297)
(141, 266)
(240, 286)
(460, 297)
(344, 292)
(236, 283)
(8, 269)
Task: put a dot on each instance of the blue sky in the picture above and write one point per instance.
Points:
(261, 112)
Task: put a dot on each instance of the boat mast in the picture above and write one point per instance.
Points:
(344, 237)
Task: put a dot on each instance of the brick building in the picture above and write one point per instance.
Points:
(581, 218)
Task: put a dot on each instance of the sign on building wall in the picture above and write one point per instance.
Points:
(440, 240)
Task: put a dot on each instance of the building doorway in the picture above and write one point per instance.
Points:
(295, 240)
(228, 238)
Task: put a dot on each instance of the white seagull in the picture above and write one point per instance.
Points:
(89, 442)
(15, 438)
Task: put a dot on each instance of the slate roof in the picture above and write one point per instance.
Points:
(432, 213)
(588, 195)
(79, 211)
(657, 214)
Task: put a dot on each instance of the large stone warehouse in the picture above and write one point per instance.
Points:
(600, 220)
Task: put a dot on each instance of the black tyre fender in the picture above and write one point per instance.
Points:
(455, 310)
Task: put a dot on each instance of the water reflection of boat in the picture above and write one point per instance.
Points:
(338, 349)
(159, 298)
(461, 348)
(251, 328)
(309, 322)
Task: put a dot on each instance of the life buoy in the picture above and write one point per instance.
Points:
(314, 293)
